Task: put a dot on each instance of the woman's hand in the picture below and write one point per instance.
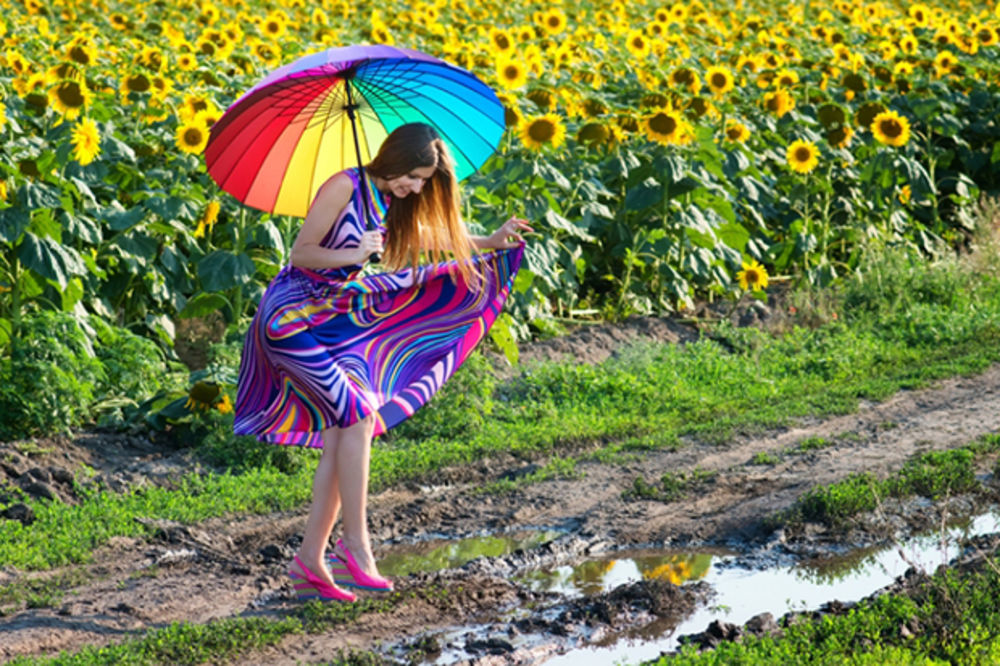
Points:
(371, 243)
(509, 234)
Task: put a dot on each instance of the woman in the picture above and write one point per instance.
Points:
(333, 358)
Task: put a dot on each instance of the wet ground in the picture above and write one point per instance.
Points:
(555, 572)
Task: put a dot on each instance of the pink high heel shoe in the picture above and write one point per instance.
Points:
(314, 587)
(346, 571)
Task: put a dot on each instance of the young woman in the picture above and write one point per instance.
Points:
(333, 358)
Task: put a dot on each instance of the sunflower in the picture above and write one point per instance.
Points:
(118, 21)
(637, 44)
(786, 78)
(501, 41)
(208, 117)
(987, 36)
(540, 131)
(719, 80)
(86, 141)
(920, 14)
(904, 194)
(840, 137)
(203, 396)
(3, 116)
(554, 21)
(512, 73)
(802, 156)
(17, 62)
(68, 97)
(736, 131)
(187, 62)
(191, 137)
(753, 276)
(779, 102)
(82, 51)
(891, 128)
(274, 26)
(525, 33)
(542, 98)
(909, 45)
(944, 62)
(225, 405)
(207, 219)
(593, 134)
(685, 77)
(667, 126)
(137, 82)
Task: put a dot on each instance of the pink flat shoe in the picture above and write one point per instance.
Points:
(347, 572)
(314, 587)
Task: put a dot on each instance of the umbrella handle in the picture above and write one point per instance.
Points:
(375, 258)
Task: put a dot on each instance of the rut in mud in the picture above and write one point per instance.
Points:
(235, 566)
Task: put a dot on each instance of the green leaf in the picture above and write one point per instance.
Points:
(13, 221)
(557, 221)
(647, 193)
(44, 224)
(120, 219)
(172, 208)
(38, 195)
(222, 270)
(734, 236)
(503, 338)
(72, 294)
(204, 304)
(50, 259)
(523, 280)
(80, 226)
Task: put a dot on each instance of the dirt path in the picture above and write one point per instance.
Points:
(234, 567)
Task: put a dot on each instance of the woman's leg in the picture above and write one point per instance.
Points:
(324, 508)
(353, 456)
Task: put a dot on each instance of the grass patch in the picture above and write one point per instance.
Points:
(934, 475)
(45, 593)
(765, 458)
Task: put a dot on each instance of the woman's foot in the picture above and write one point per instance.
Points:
(315, 582)
(354, 566)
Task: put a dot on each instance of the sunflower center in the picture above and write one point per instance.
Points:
(502, 42)
(802, 154)
(891, 128)
(511, 72)
(734, 133)
(752, 276)
(638, 43)
(79, 54)
(192, 136)
(542, 130)
(683, 76)
(663, 123)
(138, 83)
(70, 95)
(719, 80)
(554, 21)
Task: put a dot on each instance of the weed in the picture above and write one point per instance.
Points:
(765, 458)
(672, 486)
(813, 443)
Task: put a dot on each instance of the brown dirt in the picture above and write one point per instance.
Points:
(235, 566)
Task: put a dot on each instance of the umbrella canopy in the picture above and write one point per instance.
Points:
(275, 146)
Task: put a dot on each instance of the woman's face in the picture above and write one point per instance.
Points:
(412, 182)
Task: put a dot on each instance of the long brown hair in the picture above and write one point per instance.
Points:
(428, 221)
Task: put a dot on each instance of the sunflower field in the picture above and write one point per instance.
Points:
(667, 152)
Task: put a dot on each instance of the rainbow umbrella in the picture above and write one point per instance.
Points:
(328, 111)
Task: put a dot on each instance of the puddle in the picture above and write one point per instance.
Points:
(439, 554)
(741, 592)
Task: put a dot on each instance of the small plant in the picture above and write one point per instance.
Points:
(672, 486)
(765, 458)
(813, 443)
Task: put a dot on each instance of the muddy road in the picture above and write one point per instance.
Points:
(478, 605)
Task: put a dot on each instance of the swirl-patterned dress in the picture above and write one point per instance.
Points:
(328, 347)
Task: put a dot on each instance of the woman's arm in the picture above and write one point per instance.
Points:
(330, 201)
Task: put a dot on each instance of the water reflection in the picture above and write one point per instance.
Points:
(445, 554)
(594, 576)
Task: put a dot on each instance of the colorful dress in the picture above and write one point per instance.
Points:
(327, 347)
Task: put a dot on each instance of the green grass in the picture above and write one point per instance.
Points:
(934, 475)
(183, 643)
(915, 323)
(671, 487)
(955, 615)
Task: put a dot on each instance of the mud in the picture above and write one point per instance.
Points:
(483, 612)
